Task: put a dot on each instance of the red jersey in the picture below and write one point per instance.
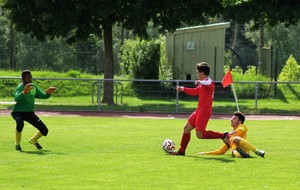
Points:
(205, 92)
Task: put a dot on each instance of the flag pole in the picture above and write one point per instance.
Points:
(236, 101)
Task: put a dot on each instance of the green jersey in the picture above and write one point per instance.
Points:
(25, 102)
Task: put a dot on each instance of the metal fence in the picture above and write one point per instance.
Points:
(82, 94)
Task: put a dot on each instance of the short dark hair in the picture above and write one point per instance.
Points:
(240, 115)
(203, 67)
(24, 73)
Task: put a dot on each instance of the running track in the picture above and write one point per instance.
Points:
(152, 115)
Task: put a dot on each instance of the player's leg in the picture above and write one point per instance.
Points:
(239, 153)
(185, 139)
(236, 154)
(247, 145)
(36, 137)
(37, 123)
(202, 119)
(186, 136)
(19, 128)
(18, 140)
(242, 152)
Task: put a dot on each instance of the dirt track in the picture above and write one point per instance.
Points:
(151, 115)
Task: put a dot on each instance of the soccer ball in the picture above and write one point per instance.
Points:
(168, 145)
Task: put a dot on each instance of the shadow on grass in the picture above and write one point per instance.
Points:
(294, 92)
(220, 159)
(41, 152)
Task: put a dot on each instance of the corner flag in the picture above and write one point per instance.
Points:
(227, 80)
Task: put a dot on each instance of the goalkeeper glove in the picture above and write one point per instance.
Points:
(50, 90)
(27, 88)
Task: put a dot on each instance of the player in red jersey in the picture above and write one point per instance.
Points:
(199, 118)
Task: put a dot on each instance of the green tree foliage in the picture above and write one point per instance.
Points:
(262, 11)
(284, 41)
(291, 71)
(56, 55)
(165, 68)
(4, 54)
(140, 59)
(76, 20)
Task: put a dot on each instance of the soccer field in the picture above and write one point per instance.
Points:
(126, 153)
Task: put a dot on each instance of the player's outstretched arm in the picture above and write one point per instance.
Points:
(179, 88)
(50, 90)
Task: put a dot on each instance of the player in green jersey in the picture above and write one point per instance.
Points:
(23, 110)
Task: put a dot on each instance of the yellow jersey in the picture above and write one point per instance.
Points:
(240, 131)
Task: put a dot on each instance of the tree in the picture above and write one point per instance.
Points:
(4, 41)
(76, 20)
(262, 11)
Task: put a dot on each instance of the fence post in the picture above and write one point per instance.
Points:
(99, 94)
(116, 89)
(177, 97)
(93, 91)
(256, 95)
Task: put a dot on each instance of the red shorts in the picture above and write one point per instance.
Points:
(199, 119)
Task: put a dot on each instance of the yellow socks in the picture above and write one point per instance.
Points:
(18, 137)
(245, 144)
(36, 137)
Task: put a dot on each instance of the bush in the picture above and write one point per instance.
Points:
(140, 59)
(291, 71)
(248, 90)
(64, 87)
(73, 74)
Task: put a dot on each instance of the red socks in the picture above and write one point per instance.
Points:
(184, 142)
(212, 135)
(185, 139)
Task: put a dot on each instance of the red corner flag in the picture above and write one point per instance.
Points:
(227, 80)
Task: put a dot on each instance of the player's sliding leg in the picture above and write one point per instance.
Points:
(247, 145)
(236, 154)
(242, 152)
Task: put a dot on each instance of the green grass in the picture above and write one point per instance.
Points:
(125, 153)
(135, 104)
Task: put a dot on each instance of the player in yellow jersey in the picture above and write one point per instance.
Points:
(237, 140)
